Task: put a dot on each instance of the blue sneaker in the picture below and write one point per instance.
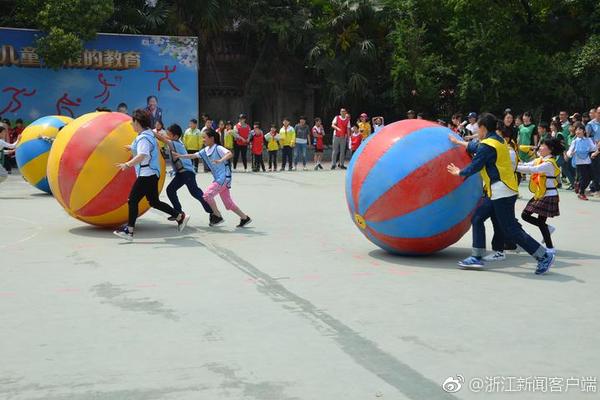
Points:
(124, 233)
(545, 263)
(471, 262)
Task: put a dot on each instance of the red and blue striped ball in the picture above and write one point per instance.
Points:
(400, 194)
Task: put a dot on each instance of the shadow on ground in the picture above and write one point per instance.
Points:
(519, 265)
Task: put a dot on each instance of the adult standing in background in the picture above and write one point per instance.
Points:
(527, 137)
(563, 117)
(153, 110)
(341, 128)
(242, 136)
(302, 135)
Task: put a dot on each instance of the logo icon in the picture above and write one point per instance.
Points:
(453, 384)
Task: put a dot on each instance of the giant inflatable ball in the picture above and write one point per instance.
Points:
(400, 195)
(32, 151)
(82, 172)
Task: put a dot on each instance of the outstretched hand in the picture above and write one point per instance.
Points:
(453, 169)
(453, 139)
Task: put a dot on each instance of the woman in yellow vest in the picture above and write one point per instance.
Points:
(492, 160)
(545, 175)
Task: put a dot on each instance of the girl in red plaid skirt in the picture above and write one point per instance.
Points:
(545, 175)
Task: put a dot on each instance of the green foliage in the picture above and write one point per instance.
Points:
(67, 24)
(436, 56)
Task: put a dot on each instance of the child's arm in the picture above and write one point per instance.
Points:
(457, 141)
(131, 163)
(185, 156)
(227, 156)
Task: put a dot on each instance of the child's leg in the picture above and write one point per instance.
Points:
(209, 196)
(152, 196)
(262, 163)
(586, 177)
(195, 191)
(177, 182)
(540, 222)
(482, 213)
(504, 209)
(229, 204)
(137, 193)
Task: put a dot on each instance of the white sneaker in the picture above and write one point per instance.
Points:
(497, 256)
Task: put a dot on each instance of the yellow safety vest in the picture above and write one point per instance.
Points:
(504, 166)
(538, 184)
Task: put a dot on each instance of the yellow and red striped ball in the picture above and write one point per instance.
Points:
(82, 172)
(32, 151)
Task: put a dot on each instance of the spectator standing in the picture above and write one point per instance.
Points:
(272, 147)
(257, 138)
(593, 131)
(228, 136)
(153, 110)
(378, 124)
(579, 152)
(192, 140)
(318, 132)
(287, 140)
(341, 129)
(364, 126)
(302, 136)
(472, 129)
(563, 118)
(527, 137)
(242, 135)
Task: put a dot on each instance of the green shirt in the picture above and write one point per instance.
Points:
(526, 139)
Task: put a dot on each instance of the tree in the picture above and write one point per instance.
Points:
(67, 24)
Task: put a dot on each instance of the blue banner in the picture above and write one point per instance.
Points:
(159, 72)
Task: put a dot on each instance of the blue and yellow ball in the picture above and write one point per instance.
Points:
(32, 151)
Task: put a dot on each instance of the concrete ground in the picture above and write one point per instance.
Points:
(299, 306)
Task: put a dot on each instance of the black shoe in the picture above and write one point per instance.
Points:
(320, 166)
(342, 167)
(173, 218)
(244, 222)
(333, 167)
(214, 220)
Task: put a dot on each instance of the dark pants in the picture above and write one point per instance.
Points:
(240, 150)
(484, 211)
(146, 186)
(568, 171)
(258, 163)
(540, 222)
(585, 177)
(273, 159)
(194, 160)
(596, 174)
(286, 156)
(7, 163)
(187, 178)
(505, 213)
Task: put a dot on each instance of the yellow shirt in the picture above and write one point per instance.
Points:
(192, 139)
(288, 137)
(272, 143)
(228, 140)
(366, 129)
